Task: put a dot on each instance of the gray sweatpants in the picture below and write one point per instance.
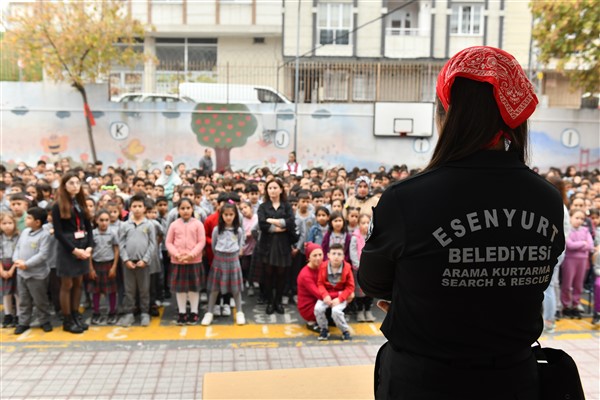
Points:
(136, 279)
(337, 314)
(33, 292)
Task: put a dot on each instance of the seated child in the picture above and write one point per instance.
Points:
(336, 284)
(308, 292)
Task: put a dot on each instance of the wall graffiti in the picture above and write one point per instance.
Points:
(43, 120)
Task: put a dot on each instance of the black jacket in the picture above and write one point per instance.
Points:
(276, 248)
(64, 229)
(464, 253)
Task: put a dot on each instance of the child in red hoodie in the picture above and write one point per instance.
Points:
(336, 284)
(308, 292)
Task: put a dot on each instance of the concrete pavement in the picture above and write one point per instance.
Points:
(165, 361)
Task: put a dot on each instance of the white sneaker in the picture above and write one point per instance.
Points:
(369, 317)
(226, 311)
(285, 300)
(231, 302)
(580, 307)
(207, 320)
(217, 310)
(145, 319)
(126, 320)
(240, 318)
(360, 316)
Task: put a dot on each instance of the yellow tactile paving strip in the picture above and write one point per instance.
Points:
(565, 329)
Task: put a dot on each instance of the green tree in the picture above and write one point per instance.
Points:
(75, 41)
(222, 127)
(568, 32)
(10, 69)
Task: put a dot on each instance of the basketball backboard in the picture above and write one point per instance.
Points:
(403, 119)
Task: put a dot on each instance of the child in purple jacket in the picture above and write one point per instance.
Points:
(577, 255)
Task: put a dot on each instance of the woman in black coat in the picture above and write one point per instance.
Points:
(276, 221)
(461, 317)
(73, 230)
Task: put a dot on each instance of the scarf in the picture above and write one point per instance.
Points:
(513, 92)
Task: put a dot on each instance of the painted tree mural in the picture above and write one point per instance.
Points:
(223, 127)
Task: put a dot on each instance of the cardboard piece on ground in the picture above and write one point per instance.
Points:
(349, 382)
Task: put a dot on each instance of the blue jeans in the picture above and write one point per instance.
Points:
(550, 292)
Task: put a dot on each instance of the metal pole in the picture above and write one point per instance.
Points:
(297, 79)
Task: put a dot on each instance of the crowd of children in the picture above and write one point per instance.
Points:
(177, 231)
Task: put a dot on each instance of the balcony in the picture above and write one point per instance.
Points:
(406, 43)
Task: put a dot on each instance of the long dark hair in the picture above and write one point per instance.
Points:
(185, 200)
(64, 199)
(469, 125)
(336, 215)
(236, 217)
(282, 196)
(560, 185)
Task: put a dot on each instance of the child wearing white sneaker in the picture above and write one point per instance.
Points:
(225, 273)
(136, 248)
(357, 242)
(336, 284)
(185, 243)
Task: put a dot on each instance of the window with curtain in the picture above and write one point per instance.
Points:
(466, 19)
(334, 23)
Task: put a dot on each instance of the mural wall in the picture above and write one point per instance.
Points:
(42, 120)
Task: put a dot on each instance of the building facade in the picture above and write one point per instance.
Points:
(393, 49)
(347, 50)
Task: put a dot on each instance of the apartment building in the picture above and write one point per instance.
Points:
(348, 50)
(224, 41)
(392, 50)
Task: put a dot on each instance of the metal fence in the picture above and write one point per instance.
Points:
(318, 81)
(10, 70)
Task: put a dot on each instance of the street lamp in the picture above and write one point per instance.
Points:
(297, 79)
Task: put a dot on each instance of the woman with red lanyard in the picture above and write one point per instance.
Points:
(461, 318)
(73, 230)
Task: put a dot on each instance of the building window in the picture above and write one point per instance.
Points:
(335, 85)
(402, 25)
(466, 20)
(334, 23)
(363, 86)
(177, 54)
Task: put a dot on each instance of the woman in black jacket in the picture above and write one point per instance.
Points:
(463, 251)
(73, 230)
(276, 221)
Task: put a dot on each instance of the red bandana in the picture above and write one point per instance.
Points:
(514, 93)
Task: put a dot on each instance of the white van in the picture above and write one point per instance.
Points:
(230, 93)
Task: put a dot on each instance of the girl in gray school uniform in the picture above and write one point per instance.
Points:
(103, 268)
(225, 274)
(8, 241)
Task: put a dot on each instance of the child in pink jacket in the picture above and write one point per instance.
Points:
(185, 242)
(577, 259)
